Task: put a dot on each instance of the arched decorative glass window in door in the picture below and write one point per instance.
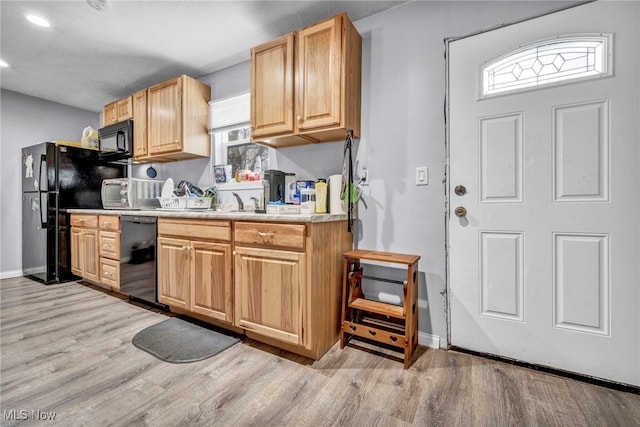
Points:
(554, 61)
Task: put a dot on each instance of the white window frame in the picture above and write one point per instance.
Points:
(602, 66)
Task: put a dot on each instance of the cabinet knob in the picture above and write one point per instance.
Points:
(299, 118)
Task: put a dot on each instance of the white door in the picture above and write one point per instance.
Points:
(545, 265)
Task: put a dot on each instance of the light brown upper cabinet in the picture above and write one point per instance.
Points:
(177, 119)
(305, 86)
(117, 111)
(140, 135)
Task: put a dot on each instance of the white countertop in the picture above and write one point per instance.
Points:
(211, 214)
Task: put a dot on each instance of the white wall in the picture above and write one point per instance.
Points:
(25, 121)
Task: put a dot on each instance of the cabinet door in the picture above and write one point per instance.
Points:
(109, 114)
(77, 251)
(91, 255)
(173, 271)
(211, 285)
(319, 79)
(165, 117)
(269, 293)
(272, 106)
(124, 108)
(140, 124)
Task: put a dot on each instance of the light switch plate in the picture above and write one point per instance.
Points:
(422, 175)
(364, 176)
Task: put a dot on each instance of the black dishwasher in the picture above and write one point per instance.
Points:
(138, 257)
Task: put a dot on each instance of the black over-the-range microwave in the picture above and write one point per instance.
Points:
(116, 141)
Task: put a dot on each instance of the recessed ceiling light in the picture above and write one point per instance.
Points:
(99, 5)
(38, 21)
(4, 64)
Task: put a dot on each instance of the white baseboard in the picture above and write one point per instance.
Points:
(428, 340)
(10, 274)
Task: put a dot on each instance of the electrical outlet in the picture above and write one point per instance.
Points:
(422, 175)
(364, 176)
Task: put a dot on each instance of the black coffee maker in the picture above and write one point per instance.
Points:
(274, 186)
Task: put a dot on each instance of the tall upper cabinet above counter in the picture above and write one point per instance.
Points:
(170, 119)
(305, 85)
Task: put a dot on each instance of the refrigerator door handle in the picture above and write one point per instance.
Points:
(43, 160)
(43, 220)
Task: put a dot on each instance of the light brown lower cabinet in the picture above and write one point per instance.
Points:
(109, 244)
(85, 255)
(95, 249)
(194, 267)
(270, 293)
(288, 283)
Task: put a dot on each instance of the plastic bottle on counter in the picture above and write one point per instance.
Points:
(321, 196)
(257, 168)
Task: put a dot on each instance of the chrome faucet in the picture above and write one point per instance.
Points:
(240, 204)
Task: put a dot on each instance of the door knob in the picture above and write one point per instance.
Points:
(461, 211)
(460, 190)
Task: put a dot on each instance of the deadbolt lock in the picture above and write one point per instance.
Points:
(460, 190)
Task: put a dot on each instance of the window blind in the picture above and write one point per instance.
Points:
(229, 113)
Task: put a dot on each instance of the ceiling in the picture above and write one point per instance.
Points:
(88, 58)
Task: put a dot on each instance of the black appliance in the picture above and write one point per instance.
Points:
(138, 258)
(56, 178)
(116, 141)
(276, 185)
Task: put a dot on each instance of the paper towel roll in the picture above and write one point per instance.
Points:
(336, 206)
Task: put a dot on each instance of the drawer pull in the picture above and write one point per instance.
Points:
(373, 333)
(393, 339)
(265, 237)
(108, 273)
(353, 328)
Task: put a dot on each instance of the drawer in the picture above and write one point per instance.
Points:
(109, 222)
(270, 234)
(195, 229)
(110, 244)
(110, 272)
(81, 220)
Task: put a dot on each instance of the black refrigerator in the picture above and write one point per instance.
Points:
(56, 178)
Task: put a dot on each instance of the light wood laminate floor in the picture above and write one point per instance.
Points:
(67, 349)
